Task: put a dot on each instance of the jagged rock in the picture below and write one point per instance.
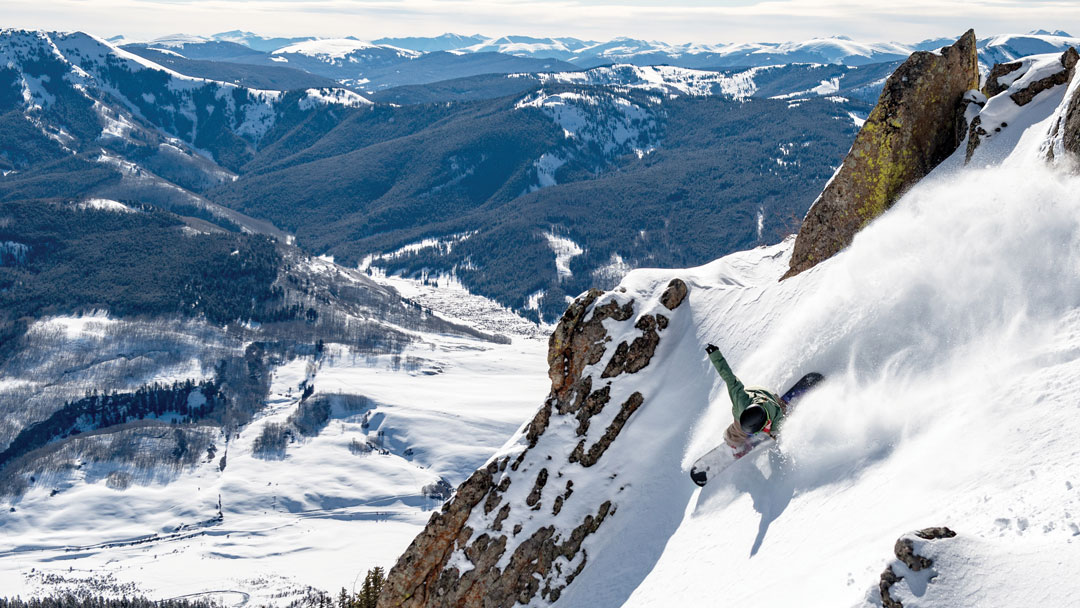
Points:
(911, 130)
(589, 457)
(1071, 127)
(993, 84)
(674, 294)
(1066, 129)
(422, 562)
(543, 553)
(977, 131)
(1068, 65)
(633, 357)
(905, 552)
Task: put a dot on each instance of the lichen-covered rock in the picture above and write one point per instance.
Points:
(911, 130)
(514, 531)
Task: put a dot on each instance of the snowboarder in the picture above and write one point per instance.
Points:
(755, 409)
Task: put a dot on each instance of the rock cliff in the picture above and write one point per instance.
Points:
(917, 123)
(514, 531)
(1064, 141)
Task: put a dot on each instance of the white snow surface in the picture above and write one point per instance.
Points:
(565, 250)
(949, 334)
(319, 514)
(327, 96)
(939, 329)
(664, 79)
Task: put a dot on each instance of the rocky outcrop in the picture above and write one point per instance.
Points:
(1065, 133)
(911, 130)
(909, 558)
(514, 531)
(1013, 79)
(994, 85)
(1068, 66)
(1071, 127)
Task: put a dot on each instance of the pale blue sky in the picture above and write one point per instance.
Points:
(709, 21)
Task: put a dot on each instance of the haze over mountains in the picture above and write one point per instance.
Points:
(583, 53)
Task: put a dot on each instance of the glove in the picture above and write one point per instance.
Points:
(711, 348)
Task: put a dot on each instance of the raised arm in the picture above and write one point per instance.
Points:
(740, 400)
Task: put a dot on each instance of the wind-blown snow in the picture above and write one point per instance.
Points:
(942, 330)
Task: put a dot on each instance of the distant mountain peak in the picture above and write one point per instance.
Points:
(1061, 33)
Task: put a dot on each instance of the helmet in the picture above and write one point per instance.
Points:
(753, 419)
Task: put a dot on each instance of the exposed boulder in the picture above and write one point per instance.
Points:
(909, 559)
(514, 531)
(911, 130)
(994, 84)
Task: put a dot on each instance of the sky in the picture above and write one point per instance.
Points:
(675, 21)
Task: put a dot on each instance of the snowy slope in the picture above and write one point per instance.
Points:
(949, 334)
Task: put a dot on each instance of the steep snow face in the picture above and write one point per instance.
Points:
(941, 330)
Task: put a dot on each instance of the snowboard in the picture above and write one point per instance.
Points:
(721, 457)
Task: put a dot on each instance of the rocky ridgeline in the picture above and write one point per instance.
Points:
(917, 123)
(514, 531)
(1000, 82)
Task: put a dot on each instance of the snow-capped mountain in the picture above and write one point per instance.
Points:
(445, 42)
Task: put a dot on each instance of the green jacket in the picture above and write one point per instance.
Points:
(743, 397)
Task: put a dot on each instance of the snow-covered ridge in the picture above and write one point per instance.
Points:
(336, 49)
(325, 97)
(666, 80)
(617, 124)
(90, 65)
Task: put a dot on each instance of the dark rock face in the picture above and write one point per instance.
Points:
(465, 557)
(1071, 127)
(911, 130)
(1067, 127)
(993, 84)
(977, 131)
(1068, 65)
(905, 552)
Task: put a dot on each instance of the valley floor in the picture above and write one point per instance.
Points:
(319, 513)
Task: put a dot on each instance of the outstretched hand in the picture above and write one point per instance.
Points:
(711, 348)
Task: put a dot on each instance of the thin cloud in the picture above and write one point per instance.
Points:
(774, 20)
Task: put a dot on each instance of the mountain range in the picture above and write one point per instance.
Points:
(359, 63)
(265, 303)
